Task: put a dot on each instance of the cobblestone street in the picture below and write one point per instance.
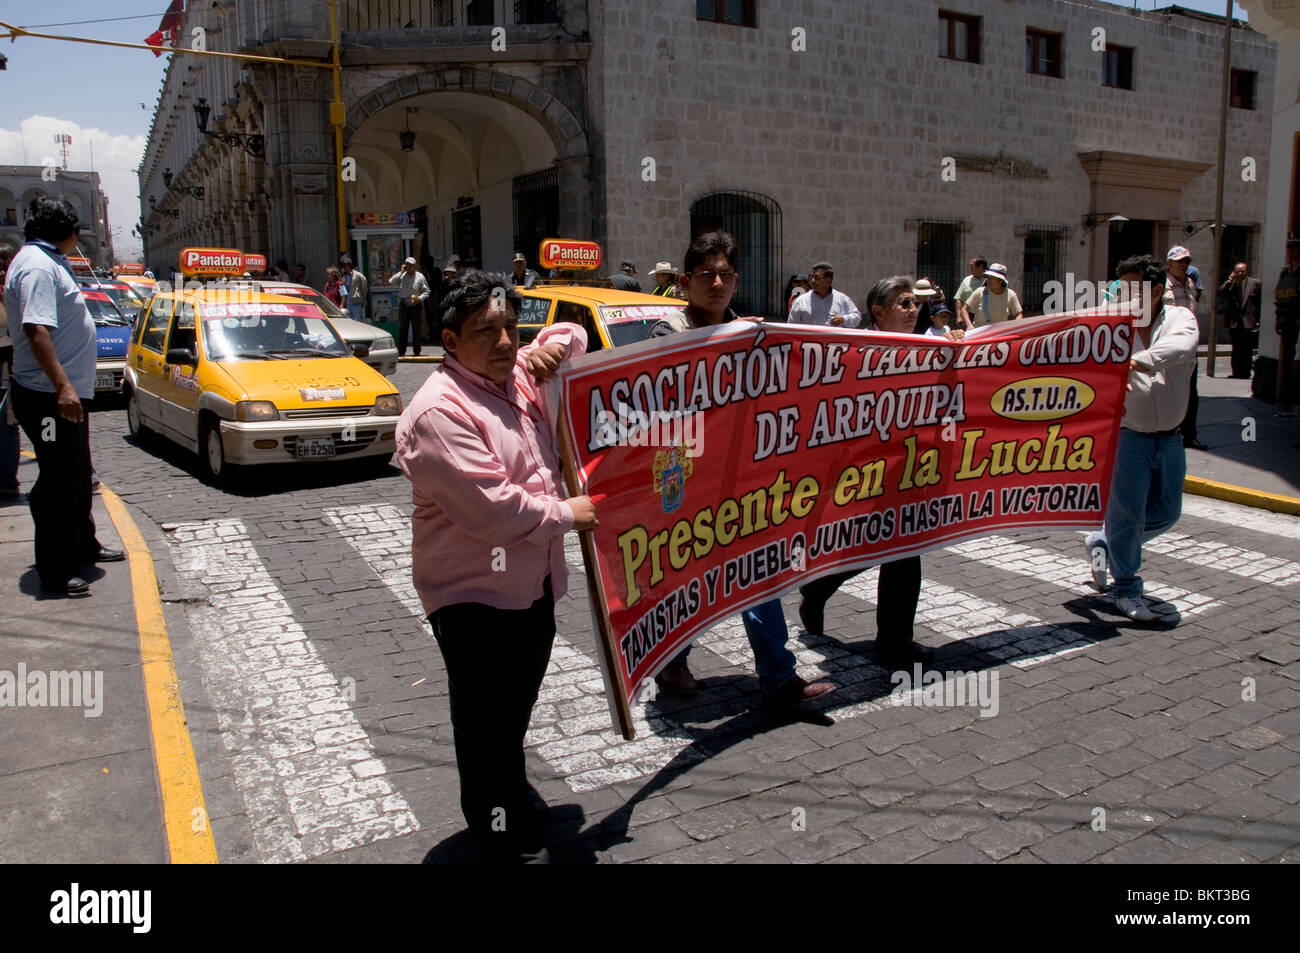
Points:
(316, 697)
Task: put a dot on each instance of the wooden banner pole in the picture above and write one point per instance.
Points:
(620, 705)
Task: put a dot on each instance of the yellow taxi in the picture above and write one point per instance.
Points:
(610, 316)
(243, 377)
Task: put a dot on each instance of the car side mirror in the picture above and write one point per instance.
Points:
(360, 350)
(182, 356)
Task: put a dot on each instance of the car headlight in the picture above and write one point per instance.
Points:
(388, 405)
(383, 342)
(254, 410)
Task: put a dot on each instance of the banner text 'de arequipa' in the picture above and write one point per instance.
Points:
(775, 454)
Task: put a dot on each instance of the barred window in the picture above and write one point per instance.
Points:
(939, 255)
(1044, 264)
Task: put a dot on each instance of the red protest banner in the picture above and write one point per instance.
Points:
(730, 465)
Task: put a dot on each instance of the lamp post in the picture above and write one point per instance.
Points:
(253, 144)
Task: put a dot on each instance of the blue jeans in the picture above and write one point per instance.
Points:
(768, 634)
(1146, 498)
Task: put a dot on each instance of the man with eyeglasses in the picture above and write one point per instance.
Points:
(823, 304)
(712, 270)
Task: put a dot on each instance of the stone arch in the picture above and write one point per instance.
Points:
(566, 132)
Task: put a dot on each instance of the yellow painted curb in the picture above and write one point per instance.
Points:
(189, 834)
(1199, 486)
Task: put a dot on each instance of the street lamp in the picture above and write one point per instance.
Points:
(254, 145)
(406, 136)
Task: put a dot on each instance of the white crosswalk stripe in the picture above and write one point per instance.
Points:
(571, 728)
(1242, 517)
(303, 764)
(1240, 562)
(999, 552)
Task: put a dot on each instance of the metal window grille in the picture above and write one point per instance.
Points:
(1044, 263)
(398, 14)
(939, 254)
(754, 220)
(738, 12)
(536, 11)
(479, 13)
(537, 210)
(1239, 244)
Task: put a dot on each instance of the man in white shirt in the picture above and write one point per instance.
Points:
(1146, 492)
(969, 285)
(822, 304)
(995, 302)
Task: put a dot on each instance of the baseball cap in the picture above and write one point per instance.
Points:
(1177, 253)
(409, 261)
(519, 256)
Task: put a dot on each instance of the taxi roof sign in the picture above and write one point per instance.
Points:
(80, 263)
(254, 264)
(569, 253)
(130, 268)
(212, 262)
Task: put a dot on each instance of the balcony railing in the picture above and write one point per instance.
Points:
(360, 15)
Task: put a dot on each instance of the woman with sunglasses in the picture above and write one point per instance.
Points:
(891, 308)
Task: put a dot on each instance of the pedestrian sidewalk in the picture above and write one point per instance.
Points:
(78, 782)
(1249, 447)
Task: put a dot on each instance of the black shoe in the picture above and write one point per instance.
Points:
(103, 555)
(1194, 444)
(812, 616)
(793, 692)
(72, 586)
(904, 655)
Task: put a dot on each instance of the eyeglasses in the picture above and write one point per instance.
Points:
(708, 276)
(906, 303)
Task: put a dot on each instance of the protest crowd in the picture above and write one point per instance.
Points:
(486, 418)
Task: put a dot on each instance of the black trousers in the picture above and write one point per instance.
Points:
(60, 498)
(495, 662)
(897, 594)
(408, 319)
(1243, 346)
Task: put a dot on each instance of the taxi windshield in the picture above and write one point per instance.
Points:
(315, 297)
(124, 297)
(270, 332)
(627, 325)
(104, 312)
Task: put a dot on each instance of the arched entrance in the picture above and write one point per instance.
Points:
(479, 162)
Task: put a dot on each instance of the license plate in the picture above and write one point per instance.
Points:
(315, 447)
(104, 382)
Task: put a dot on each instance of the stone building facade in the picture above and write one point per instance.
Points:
(886, 136)
(1280, 21)
(846, 139)
(19, 184)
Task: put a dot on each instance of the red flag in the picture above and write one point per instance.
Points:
(170, 27)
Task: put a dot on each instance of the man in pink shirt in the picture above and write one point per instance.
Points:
(477, 444)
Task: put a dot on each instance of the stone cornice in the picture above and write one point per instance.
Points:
(1140, 172)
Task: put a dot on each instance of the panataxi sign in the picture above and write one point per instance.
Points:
(730, 465)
